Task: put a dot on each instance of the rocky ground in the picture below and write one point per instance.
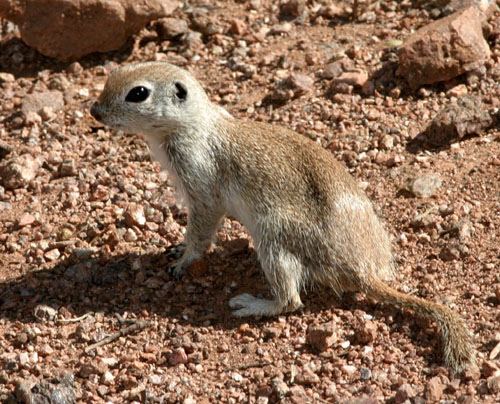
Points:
(89, 224)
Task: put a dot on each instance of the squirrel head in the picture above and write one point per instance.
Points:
(150, 98)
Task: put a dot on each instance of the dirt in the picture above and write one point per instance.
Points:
(92, 234)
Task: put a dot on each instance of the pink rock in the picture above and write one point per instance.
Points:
(292, 9)
(356, 78)
(403, 393)
(19, 171)
(238, 27)
(321, 337)
(434, 389)
(367, 333)
(444, 49)
(134, 216)
(36, 102)
(299, 83)
(67, 29)
(466, 117)
(52, 255)
(170, 27)
(26, 220)
(307, 378)
(177, 357)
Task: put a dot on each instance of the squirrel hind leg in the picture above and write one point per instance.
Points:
(284, 273)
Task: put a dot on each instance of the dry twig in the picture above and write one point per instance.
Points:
(258, 364)
(75, 319)
(138, 326)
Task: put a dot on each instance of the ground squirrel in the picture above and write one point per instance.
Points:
(310, 222)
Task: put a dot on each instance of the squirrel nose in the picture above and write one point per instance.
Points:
(94, 111)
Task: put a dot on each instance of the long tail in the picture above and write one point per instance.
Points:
(458, 347)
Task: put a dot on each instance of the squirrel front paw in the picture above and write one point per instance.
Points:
(178, 269)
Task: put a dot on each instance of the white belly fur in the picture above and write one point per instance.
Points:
(158, 153)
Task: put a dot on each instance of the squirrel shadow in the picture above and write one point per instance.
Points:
(136, 284)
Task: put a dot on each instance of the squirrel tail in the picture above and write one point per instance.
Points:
(458, 346)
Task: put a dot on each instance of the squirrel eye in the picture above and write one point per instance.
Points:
(137, 94)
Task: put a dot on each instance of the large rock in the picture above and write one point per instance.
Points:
(467, 117)
(444, 49)
(69, 29)
(55, 391)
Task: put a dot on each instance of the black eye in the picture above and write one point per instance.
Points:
(137, 94)
(181, 91)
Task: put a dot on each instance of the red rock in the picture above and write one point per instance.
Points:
(321, 337)
(354, 78)
(367, 333)
(489, 368)
(19, 171)
(298, 395)
(7, 77)
(67, 29)
(238, 27)
(26, 220)
(134, 215)
(467, 117)
(101, 193)
(52, 255)
(457, 91)
(205, 24)
(292, 8)
(177, 357)
(300, 83)
(307, 377)
(336, 68)
(280, 388)
(444, 49)
(237, 246)
(403, 393)
(295, 85)
(472, 373)
(331, 11)
(271, 332)
(449, 253)
(35, 102)
(434, 389)
(425, 185)
(169, 27)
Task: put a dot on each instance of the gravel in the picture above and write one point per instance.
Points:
(89, 225)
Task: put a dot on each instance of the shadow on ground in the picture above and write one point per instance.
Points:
(21, 60)
(141, 286)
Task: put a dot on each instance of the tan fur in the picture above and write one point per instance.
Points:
(310, 222)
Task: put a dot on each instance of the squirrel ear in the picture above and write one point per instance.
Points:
(181, 91)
